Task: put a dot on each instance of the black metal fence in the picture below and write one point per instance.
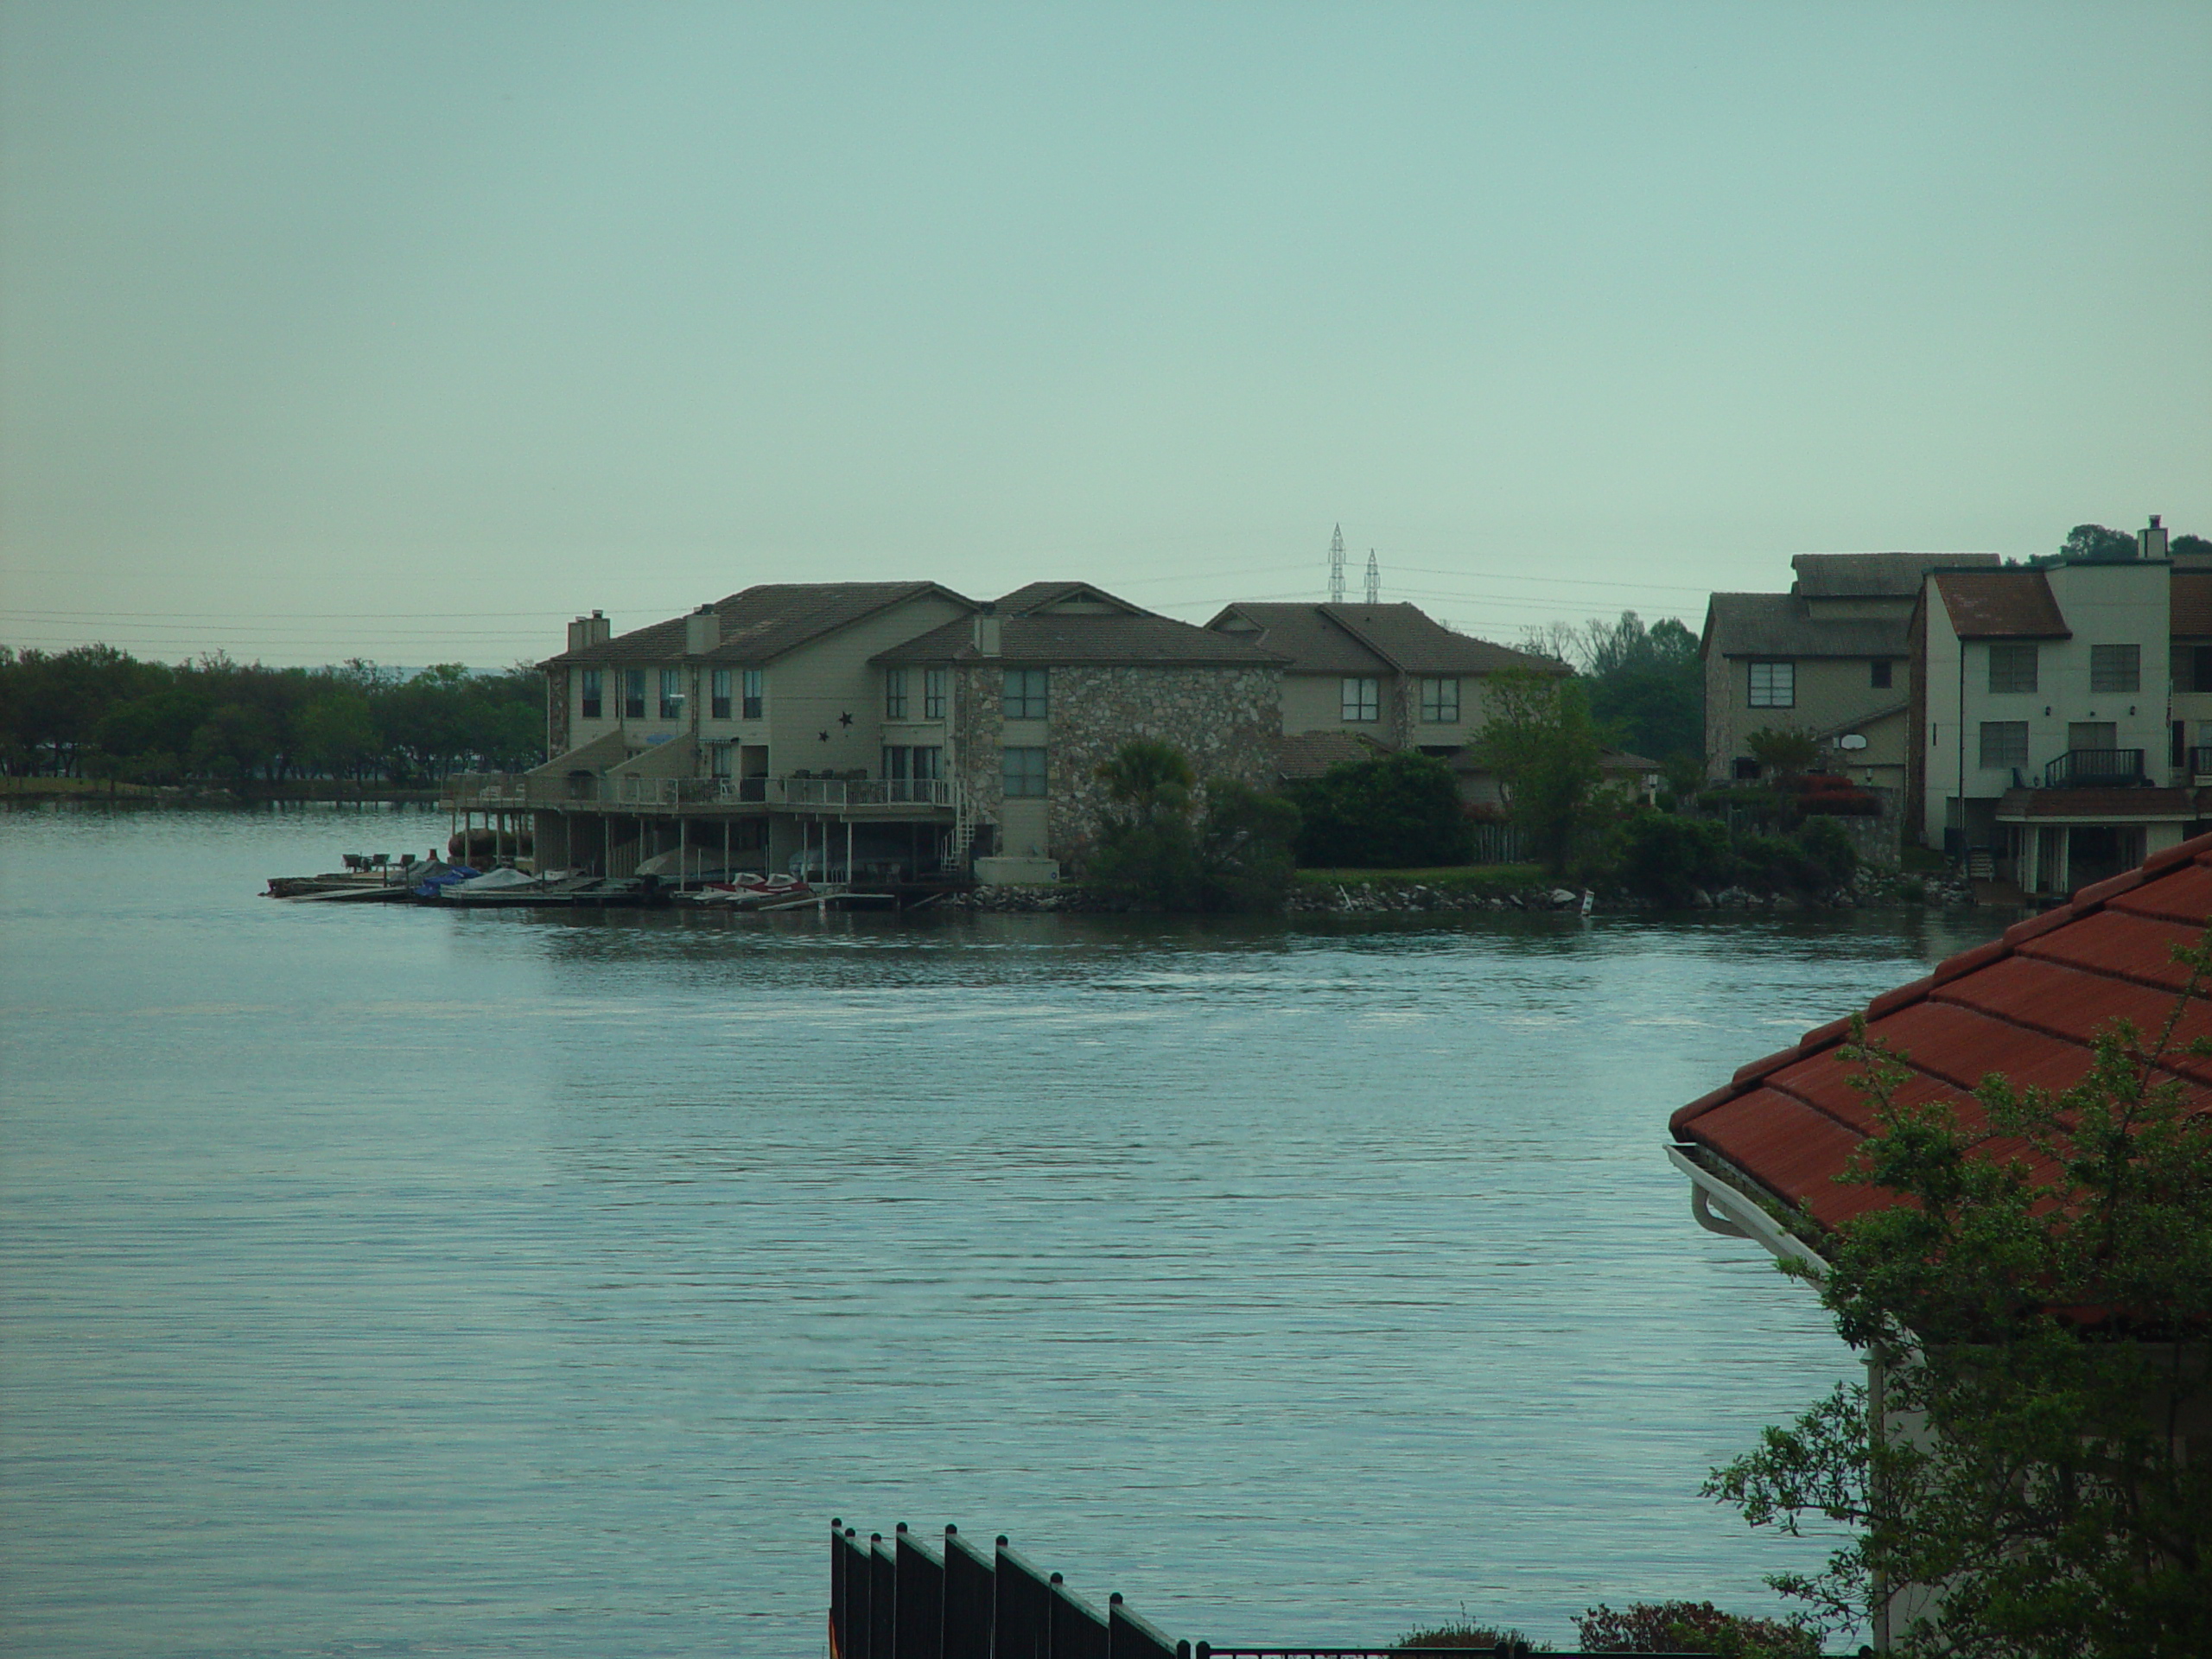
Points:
(902, 1598)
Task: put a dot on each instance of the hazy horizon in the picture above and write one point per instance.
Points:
(407, 331)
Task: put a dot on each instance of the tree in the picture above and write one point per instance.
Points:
(337, 734)
(2195, 546)
(1394, 812)
(1540, 742)
(1646, 685)
(1147, 852)
(2096, 542)
(2038, 1295)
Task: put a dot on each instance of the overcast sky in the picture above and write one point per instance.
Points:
(407, 330)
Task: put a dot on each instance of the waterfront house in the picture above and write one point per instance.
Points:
(1389, 675)
(1038, 689)
(869, 728)
(2054, 706)
(1832, 657)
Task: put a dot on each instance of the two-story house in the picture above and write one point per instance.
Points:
(2055, 731)
(1032, 694)
(1387, 677)
(862, 727)
(1830, 658)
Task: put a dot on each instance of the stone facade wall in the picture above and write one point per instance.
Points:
(557, 711)
(979, 728)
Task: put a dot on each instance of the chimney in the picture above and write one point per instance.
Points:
(988, 627)
(578, 635)
(2151, 543)
(702, 632)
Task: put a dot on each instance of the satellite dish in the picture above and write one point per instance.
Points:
(1852, 741)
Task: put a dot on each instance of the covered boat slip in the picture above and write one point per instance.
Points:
(617, 823)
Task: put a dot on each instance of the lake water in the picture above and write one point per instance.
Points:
(398, 1281)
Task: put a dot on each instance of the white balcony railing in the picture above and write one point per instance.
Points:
(493, 789)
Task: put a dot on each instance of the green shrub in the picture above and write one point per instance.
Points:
(1396, 812)
(1830, 849)
(1665, 857)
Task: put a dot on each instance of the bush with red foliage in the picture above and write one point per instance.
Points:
(1691, 1627)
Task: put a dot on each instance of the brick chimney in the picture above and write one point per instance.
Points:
(702, 632)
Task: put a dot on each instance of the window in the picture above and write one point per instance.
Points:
(2099, 737)
(594, 681)
(2013, 668)
(718, 759)
(633, 693)
(753, 697)
(933, 694)
(895, 762)
(2200, 668)
(1882, 667)
(1362, 699)
(1025, 774)
(720, 694)
(2004, 744)
(1025, 697)
(911, 771)
(1439, 702)
(2115, 668)
(672, 694)
(894, 694)
(1774, 685)
(929, 763)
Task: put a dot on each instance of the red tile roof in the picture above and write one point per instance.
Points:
(2027, 1005)
(2001, 605)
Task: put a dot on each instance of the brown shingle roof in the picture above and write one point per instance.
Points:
(1782, 625)
(2026, 1006)
(1362, 639)
(763, 622)
(2001, 605)
(2192, 604)
(1035, 595)
(1870, 576)
(1141, 639)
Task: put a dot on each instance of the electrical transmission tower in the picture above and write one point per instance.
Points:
(1337, 567)
(1374, 579)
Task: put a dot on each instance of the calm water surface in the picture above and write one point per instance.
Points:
(394, 1281)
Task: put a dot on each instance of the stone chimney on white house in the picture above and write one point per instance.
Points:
(2151, 543)
(588, 631)
(702, 632)
(988, 631)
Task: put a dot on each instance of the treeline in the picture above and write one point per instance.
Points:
(97, 712)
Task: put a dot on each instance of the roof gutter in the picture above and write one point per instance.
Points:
(1720, 1207)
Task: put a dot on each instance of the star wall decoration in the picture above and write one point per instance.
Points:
(825, 737)
(844, 720)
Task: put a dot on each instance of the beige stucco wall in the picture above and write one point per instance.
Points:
(804, 692)
(1830, 691)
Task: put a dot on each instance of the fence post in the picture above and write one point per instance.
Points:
(882, 1599)
(918, 1610)
(855, 1633)
(1128, 1636)
(1077, 1632)
(966, 1630)
(1020, 1609)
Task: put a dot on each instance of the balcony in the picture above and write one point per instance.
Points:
(2096, 769)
